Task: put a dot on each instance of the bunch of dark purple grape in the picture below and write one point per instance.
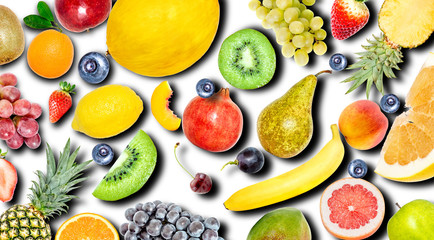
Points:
(157, 221)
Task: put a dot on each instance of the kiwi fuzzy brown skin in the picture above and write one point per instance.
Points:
(11, 36)
(247, 59)
(131, 170)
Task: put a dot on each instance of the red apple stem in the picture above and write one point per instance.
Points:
(235, 162)
(397, 204)
(174, 151)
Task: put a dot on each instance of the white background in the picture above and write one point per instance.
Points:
(169, 182)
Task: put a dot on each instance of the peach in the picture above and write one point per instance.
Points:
(160, 107)
(363, 124)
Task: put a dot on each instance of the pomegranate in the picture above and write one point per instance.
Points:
(215, 123)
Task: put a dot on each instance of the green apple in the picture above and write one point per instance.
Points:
(414, 221)
(283, 223)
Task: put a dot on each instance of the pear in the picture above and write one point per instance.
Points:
(11, 36)
(285, 126)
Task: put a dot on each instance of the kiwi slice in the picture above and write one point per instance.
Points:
(247, 59)
(131, 170)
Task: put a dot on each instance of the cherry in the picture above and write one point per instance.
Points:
(201, 183)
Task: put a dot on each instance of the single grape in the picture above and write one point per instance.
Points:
(8, 79)
(291, 14)
(309, 2)
(15, 142)
(254, 4)
(283, 4)
(194, 238)
(160, 213)
(162, 205)
(275, 15)
(196, 218)
(21, 107)
(357, 168)
(295, 3)
(309, 38)
(320, 34)
(180, 235)
(167, 231)
(305, 23)
(283, 36)
(283, 24)
(129, 213)
(130, 236)
(123, 229)
(195, 229)
(316, 23)
(307, 48)
(149, 208)
(185, 214)
(175, 208)
(26, 127)
(212, 223)
(134, 228)
(33, 142)
(319, 48)
(154, 227)
(7, 128)
(6, 108)
(299, 41)
(201, 183)
(158, 238)
(261, 12)
(389, 103)
(143, 235)
(307, 14)
(10, 93)
(268, 3)
(35, 111)
(172, 216)
(288, 50)
(296, 27)
(301, 57)
(266, 24)
(302, 7)
(210, 234)
(140, 218)
(220, 238)
(139, 206)
(156, 202)
(249, 160)
(182, 223)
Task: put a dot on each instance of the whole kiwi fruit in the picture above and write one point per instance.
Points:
(11, 36)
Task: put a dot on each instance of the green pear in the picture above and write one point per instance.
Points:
(414, 221)
(284, 223)
(285, 126)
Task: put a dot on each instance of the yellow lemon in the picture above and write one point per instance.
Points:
(161, 38)
(107, 111)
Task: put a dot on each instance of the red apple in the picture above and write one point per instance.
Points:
(81, 15)
(215, 123)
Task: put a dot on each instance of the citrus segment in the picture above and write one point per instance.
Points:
(87, 226)
(352, 208)
(407, 153)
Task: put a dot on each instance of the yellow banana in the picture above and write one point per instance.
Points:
(292, 183)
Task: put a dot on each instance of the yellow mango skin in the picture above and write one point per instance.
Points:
(160, 107)
(161, 38)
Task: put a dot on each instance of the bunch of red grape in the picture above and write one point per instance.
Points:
(17, 116)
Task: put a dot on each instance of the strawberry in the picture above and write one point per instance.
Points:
(348, 17)
(60, 101)
(8, 179)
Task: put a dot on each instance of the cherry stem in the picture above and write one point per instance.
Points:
(397, 204)
(174, 151)
(235, 162)
(325, 71)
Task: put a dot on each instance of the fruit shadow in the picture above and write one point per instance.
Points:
(389, 210)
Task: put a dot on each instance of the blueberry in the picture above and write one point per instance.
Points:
(338, 62)
(93, 67)
(205, 88)
(357, 168)
(102, 154)
(389, 103)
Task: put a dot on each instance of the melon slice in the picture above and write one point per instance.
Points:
(407, 154)
(352, 208)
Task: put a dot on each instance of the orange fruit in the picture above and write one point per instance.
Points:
(50, 54)
(407, 154)
(87, 226)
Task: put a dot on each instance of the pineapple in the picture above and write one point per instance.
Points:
(405, 24)
(49, 197)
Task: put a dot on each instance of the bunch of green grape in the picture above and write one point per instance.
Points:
(296, 28)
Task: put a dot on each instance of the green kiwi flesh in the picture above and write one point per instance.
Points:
(247, 59)
(131, 170)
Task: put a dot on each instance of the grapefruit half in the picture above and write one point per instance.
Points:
(407, 154)
(352, 208)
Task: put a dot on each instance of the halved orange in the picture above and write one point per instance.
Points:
(87, 226)
(407, 154)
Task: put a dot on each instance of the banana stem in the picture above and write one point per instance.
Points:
(174, 151)
(325, 71)
(235, 162)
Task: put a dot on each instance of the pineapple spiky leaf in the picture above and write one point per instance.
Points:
(50, 194)
(379, 58)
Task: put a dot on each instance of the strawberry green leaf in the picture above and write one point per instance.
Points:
(45, 11)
